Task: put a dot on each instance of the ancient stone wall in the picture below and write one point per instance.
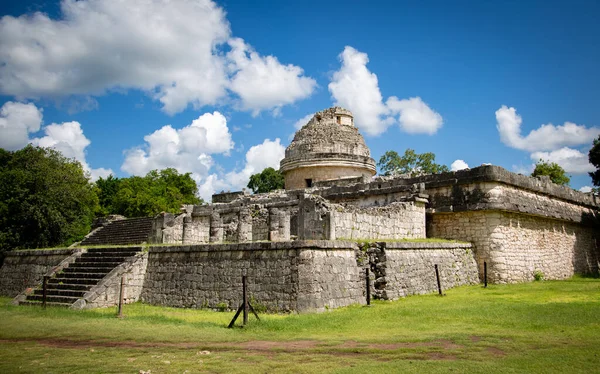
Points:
(515, 245)
(329, 278)
(401, 220)
(282, 276)
(404, 268)
(24, 269)
(320, 220)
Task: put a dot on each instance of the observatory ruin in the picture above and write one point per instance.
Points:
(307, 247)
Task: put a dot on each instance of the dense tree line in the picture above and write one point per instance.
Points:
(412, 163)
(48, 200)
(158, 191)
(45, 199)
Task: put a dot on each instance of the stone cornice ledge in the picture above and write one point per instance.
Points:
(425, 245)
(256, 246)
(492, 173)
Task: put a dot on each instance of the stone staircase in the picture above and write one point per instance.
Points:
(71, 284)
(125, 231)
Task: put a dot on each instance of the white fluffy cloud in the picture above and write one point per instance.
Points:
(356, 88)
(572, 160)
(173, 50)
(17, 121)
(546, 138)
(187, 149)
(586, 189)
(548, 142)
(68, 139)
(459, 165)
(416, 117)
(258, 157)
(263, 82)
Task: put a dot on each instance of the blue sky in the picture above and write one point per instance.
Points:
(217, 89)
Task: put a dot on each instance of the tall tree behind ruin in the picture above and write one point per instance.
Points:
(267, 180)
(159, 191)
(391, 163)
(553, 170)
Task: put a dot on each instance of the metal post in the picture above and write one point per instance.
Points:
(44, 290)
(368, 280)
(245, 301)
(120, 312)
(484, 274)
(437, 275)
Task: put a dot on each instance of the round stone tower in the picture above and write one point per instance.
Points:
(327, 147)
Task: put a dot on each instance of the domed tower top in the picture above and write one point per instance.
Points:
(328, 147)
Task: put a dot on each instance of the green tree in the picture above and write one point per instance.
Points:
(594, 157)
(553, 170)
(410, 163)
(267, 180)
(45, 199)
(158, 191)
(107, 189)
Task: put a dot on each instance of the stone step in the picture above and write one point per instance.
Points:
(122, 253)
(39, 303)
(54, 299)
(87, 270)
(114, 249)
(60, 292)
(72, 286)
(79, 265)
(131, 228)
(79, 281)
(115, 243)
(123, 234)
(84, 275)
(127, 241)
(107, 258)
(128, 231)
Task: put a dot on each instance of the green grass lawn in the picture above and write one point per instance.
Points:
(543, 327)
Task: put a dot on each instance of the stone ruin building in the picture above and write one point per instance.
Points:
(307, 247)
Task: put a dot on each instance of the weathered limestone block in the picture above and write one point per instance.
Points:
(188, 230)
(216, 227)
(284, 225)
(244, 225)
(274, 224)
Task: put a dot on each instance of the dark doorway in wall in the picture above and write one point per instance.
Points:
(308, 183)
